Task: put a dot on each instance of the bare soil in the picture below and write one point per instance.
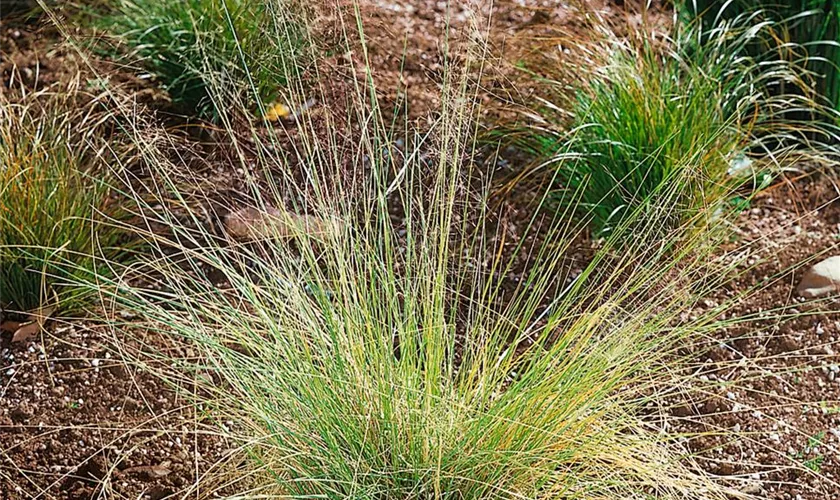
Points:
(772, 411)
(79, 422)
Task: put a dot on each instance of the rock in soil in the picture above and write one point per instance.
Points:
(822, 279)
(252, 224)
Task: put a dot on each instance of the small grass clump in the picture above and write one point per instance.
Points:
(690, 120)
(254, 47)
(53, 201)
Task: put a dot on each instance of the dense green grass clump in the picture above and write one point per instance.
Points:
(52, 205)
(642, 129)
(810, 28)
(690, 122)
(369, 366)
(190, 45)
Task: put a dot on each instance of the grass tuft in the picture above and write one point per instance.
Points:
(400, 356)
(53, 203)
(690, 120)
(256, 48)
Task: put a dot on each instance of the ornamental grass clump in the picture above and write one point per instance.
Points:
(256, 48)
(691, 120)
(54, 204)
(395, 353)
(393, 360)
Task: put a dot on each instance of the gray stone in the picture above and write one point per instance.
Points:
(822, 279)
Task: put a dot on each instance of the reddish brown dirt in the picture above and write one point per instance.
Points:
(529, 46)
(772, 411)
(77, 422)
